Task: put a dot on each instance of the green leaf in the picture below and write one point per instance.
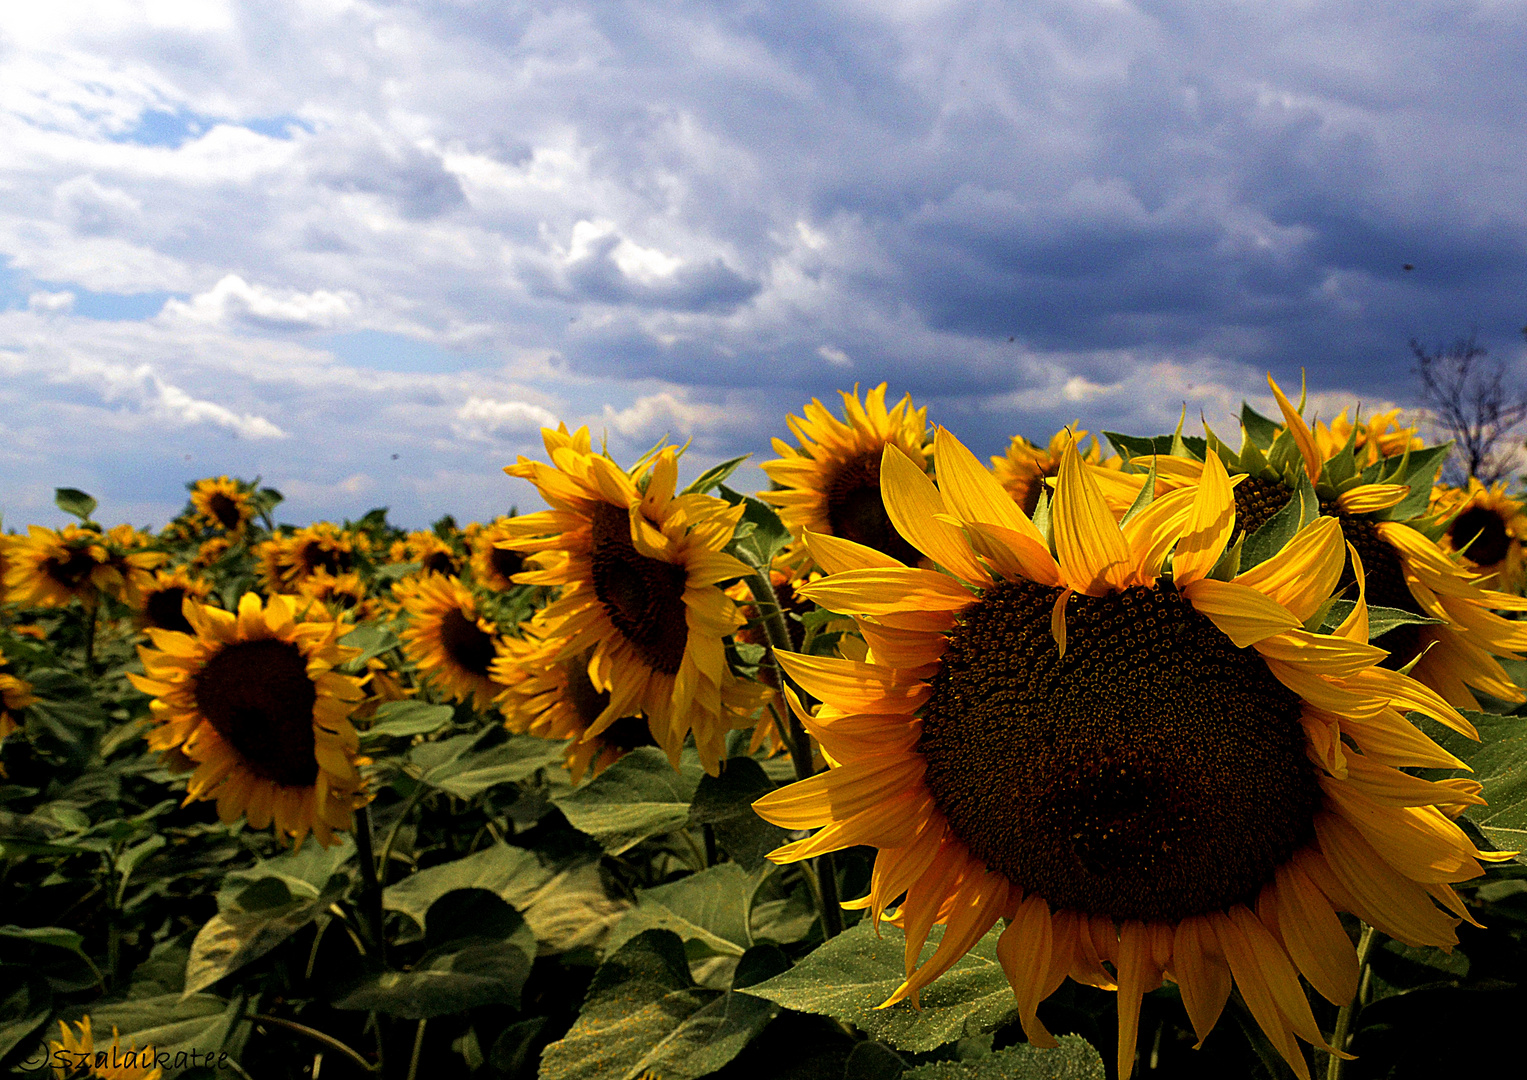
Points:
(372, 639)
(1420, 472)
(760, 534)
(26, 1003)
(725, 803)
(174, 1025)
(854, 972)
(52, 952)
(257, 913)
(1258, 428)
(708, 1040)
(639, 796)
(639, 996)
(405, 719)
(510, 873)
(714, 476)
(1133, 446)
(1499, 761)
(709, 910)
(74, 501)
(1381, 620)
(1074, 1059)
(458, 767)
(1273, 535)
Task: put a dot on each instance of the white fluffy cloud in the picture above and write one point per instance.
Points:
(486, 419)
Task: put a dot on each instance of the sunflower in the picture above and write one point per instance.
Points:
(494, 567)
(638, 566)
(1381, 435)
(433, 554)
(255, 699)
(1167, 774)
(1380, 506)
(1486, 528)
(49, 568)
(159, 602)
(831, 484)
(213, 550)
(75, 1056)
(452, 645)
(222, 504)
(345, 594)
(15, 695)
(557, 699)
(284, 561)
(1022, 471)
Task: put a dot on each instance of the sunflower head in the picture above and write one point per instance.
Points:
(75, 1057)
(15, 695)
(257, 701)
(831, 483)
(433, 554)
(1485, 527)
(222, 504)
(345, 595)
(494, 564)
(49, 568)
(160, 601)
(449, 640)
(1125, 745)
(1023, 470)
(639, 566)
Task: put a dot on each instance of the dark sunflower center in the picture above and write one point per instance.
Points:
(505, 563)
(258, 696)
(439, 562)
(1258, 499)
(225, 510)
(316, 556)
(466, 643)
(164, 609)
(856, 511)
(71, 570)
(643, 597)
(1153, 772)
(1483, 532)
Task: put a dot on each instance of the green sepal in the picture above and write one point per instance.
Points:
(1259, 429)
(1145, 498)
(714, 476)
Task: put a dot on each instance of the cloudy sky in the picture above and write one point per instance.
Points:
(366, 249)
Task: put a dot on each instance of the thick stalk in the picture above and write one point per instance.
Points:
(371, 889)
(1349, 1010)
(766, 603)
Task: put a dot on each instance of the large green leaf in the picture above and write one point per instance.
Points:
(1074, 1059)
(24, 1005)
(709, 910)
(405, 719)
(74, 501)
(854, 972)
(510, 873)
(639, 997)
(459, 767)
(56, 954)
(725, 803)
(708, 1040)
(173, 1024)
(760, 534)
(641, 795)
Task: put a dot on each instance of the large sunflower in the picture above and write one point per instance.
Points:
(450, 643)
(638, 567)
(15, 695)
(831, 485)
(48, 568)
(223, 504)
(1164, 772)
(1022, 471)
(1380, 503)
(555, 698)
(1487, 529)
(159, 602)
(255, 699)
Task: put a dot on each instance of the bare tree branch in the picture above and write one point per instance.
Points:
(1471, 401)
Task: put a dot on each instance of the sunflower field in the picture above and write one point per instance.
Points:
(1152, 756)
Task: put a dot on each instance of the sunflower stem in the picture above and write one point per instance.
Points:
(91, 607)
(413, 1062)
(392, 834)
(312, 1033)
(1349, 1010)
(825, 892)
(371, 889)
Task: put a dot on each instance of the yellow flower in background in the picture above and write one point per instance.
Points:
(222, 503)
(75, 1056)
(1486, 528)
(213, 550)
(494, 565)
(255, 699)
(433, 554)
(283, 562)
(638, 566)
(15, 695)
(1381, 436)
(448, 640)
(159, 602)
(1022, 471)
(345, 595)
(1147, 777)
(556, 699)
(831, 484)
(48, 568)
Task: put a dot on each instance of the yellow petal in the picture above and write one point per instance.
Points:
(1302, 575)
(912, 503)
(834, 554)
(1366, 498)
(1210, 523)
(972, 493)
(1300, 431)
(1243, 614)
(1092, 550)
